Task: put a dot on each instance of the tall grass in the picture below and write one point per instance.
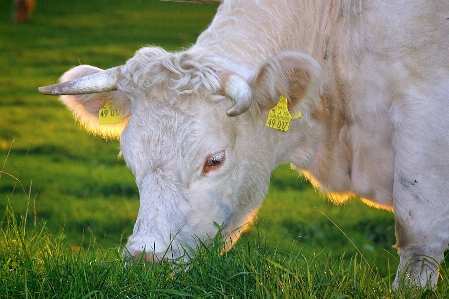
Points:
(36, 264)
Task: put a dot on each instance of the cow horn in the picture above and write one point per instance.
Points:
(237, 89)
(98, 82)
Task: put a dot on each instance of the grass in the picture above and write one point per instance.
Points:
(35, 264)
(70, 203)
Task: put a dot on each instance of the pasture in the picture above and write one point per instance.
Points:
(69, 202)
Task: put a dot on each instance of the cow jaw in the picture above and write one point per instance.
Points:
(172, 219)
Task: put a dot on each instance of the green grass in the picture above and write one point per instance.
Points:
(35, 264)
(84, 200)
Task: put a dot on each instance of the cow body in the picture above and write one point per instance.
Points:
(370, 78)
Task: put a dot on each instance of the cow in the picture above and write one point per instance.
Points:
(353, 93)
(23, 10)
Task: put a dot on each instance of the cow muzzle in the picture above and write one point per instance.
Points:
(149, 258)
(143, 257)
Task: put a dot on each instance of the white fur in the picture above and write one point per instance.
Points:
(374, 98)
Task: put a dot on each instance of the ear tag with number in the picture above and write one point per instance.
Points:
(279, 117)
(109, 114)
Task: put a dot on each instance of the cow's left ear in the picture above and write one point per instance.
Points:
(292, 74)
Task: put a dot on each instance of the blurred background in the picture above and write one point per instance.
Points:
(53, 172)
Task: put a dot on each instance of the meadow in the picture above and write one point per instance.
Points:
(69, 202)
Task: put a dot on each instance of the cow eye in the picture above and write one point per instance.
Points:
(213, 162)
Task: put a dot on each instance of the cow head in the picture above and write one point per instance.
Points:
(193, 133)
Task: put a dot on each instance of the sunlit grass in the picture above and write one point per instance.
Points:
(36, 264)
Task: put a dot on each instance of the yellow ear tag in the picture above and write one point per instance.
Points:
(109, 114)
(279, 117)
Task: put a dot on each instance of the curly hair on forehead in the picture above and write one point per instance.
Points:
(182, 73)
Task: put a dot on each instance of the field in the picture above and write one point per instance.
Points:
(69, 202)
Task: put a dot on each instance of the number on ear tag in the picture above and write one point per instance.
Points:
(279, 117)
(109, 114)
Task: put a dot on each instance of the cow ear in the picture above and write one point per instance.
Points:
(292, 74)
(87, 107)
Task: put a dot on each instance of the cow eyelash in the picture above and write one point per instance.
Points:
(213, 162)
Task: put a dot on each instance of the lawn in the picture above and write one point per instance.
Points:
(74, 194)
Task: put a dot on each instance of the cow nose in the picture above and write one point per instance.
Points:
(149, 258)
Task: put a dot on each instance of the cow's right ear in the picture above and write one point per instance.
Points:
(292, 74)
(86, 107)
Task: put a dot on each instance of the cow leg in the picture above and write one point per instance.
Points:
(422, 226)
(420, 243)
(419, 262)
(420, 193)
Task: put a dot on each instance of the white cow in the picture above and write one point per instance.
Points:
(370, 79)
